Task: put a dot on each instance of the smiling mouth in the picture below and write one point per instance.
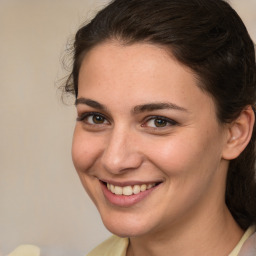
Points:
(129, 190)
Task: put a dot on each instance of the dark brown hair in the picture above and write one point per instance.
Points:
(209, 37)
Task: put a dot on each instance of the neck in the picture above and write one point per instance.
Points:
(212, 236)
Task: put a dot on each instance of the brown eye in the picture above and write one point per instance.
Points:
(92, 119)
(96, 119)
(160, 123)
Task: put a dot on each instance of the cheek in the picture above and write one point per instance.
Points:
(171, 155)
(85, 150)
(186, 155)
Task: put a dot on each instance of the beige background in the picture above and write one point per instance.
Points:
(41, 199)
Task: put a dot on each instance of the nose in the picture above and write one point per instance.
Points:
(121, 152)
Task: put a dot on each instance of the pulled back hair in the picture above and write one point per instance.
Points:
(209, 37)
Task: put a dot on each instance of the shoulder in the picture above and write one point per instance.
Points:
(25, 250)
(112, 246)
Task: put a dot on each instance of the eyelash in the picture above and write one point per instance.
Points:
(83, 117)
(167, 121)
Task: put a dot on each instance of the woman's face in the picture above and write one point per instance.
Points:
(148, 133)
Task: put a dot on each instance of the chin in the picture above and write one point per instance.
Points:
(126, 232)
(124, 227)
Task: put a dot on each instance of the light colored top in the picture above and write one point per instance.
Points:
(26, 250)
(246, 235)
(113, 246)
(116, 246)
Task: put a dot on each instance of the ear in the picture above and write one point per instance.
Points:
(239, 134)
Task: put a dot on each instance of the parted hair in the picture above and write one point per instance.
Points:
(210, 38)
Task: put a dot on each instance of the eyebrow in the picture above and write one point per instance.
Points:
(157, 106)
(90, 103)
(137, 109)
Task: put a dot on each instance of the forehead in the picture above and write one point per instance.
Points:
(112, 54)
(138, 61)
(136, 73)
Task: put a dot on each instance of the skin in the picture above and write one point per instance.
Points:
(187, 154)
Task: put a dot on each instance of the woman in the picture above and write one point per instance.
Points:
(165, 137)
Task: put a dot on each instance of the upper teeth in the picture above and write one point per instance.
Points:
(129, 190)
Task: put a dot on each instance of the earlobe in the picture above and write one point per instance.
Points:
(239, 134)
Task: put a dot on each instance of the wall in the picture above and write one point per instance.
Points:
(41, 199)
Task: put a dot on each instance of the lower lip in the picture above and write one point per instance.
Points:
(125, 201)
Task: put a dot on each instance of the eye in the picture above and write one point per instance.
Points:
(93, 119)
(96, 119)
(159, 122)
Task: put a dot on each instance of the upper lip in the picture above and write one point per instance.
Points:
(129, 183)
